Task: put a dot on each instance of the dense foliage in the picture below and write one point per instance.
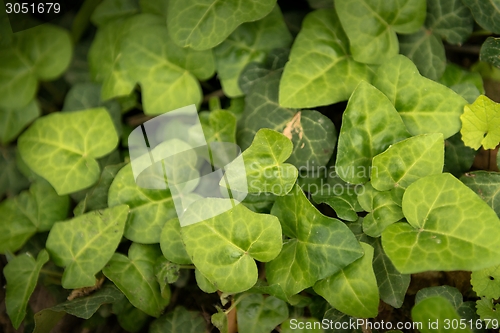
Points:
(359, 122)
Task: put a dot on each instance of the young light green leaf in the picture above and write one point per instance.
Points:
(392, 285)
(171, 243)
(382, 210)
(134, 276)
(457, 157)
(364, 132)
(487, 310)
(41, 53)
(249, 43)
(449, 227)
(85, 244)
(489, 51)
(12, 181)
(31, 211)
(313, 135)
(481, 123)
(486, 13)
(62, 147)
(353, 290)
(172, 83)
(426, 51)
(224, 247)
(424, 105)
(149, 209)
(384, 18)
(109, 10)
(486, 185)
(21, 274)
(432, 313)
(179, 320)
(407, 161)
(321, 70)
(301, 325)
(265, 170)
(203, 24)
(257, 314)
(450, 20)
(14, 120)
(166, 272)
(312, 235)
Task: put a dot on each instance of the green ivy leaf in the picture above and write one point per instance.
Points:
(179, 320)
(171, 243)
(424, 105)
(14, 120)
(481, 123)
(85, 244)
(224, 247)
(149, 209)
(455, 75)
(62, 147)
(364, 132)
(249, 43)
(392, 285)
(407, 161)
(321, 70)
(158, 7)
(384, 18)
(457, 157)
(41, 53)
(173, 82)
(134, 276)
(12, 181)
(265, 170)
(450, 20)
(109, 10)
(426, 51)
(353, 290)
(486, 13)
(31, 211)
(257, 314)
(166, 272)
(382, 210)
(436, 308)
(451, 294)
(339, 318)
(443, 214)
(489, 51)
(313, 135)
(21, 274)
(203, 283)
(203, 24)
(218, 126)
(318, 247)
(486, 185)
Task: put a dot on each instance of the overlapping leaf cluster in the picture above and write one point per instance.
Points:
(391, 165)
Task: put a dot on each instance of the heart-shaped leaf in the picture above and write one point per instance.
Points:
(408, 160)
(224, 247)
(203, 24)
(321, 70)
(449, 228)
(21, 274)
(383, 18)
(31, 211)
(265, 170)
(486, 185)
(354, 289)
(319, 246)
(149, 209)
(365, 134)
(257, 314)
(249, 43)
(481, 123)
(450, 20)
(85, 244)
(424, 105)
(179, 320)
(486, 13)
(62, 147)
(134, 276)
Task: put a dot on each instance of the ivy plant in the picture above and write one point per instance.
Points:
(354, 197)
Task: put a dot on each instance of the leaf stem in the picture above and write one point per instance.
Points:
(51, 273)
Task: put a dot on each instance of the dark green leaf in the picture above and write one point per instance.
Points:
(486, 185)
(257, 314)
